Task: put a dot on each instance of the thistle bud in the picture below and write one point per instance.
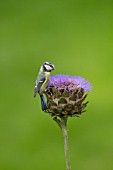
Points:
(66, 95)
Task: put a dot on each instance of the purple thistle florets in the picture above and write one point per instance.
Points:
(65, 95)
(65, 81)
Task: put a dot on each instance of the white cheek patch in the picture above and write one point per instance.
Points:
(47, 67)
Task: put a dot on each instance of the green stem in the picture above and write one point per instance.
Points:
(65, 135)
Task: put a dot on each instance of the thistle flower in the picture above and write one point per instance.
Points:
(66, 98)
(66, 95)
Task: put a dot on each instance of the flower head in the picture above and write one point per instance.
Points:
(65, 81)
(65, 95)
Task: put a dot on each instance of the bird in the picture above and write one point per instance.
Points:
(42, 81)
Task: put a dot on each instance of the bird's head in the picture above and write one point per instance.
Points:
(47, 67)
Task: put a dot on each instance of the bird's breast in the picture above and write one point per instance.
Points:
(45, 84)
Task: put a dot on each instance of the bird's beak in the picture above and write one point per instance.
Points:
(54, 67)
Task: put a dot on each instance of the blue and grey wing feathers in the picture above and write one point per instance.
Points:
(38, 86)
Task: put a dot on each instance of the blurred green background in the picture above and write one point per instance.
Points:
(77, 36)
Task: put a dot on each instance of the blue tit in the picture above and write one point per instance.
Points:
(42, 81)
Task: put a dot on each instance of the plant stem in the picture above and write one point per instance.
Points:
(65, 135)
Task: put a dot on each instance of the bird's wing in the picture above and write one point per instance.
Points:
(37, 86)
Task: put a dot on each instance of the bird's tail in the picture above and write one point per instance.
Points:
(43, 102)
